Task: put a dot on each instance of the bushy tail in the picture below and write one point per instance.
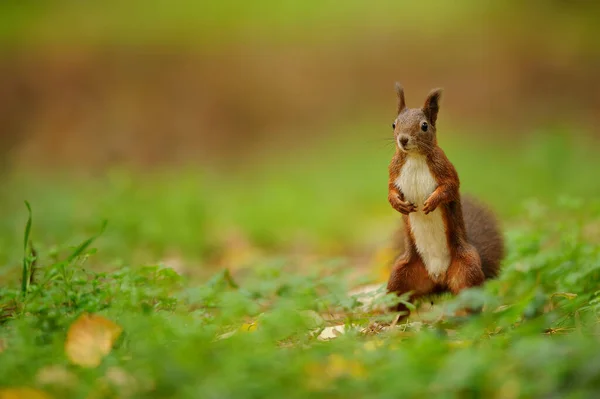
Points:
(484, 234)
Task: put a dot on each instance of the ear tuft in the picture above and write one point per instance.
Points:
(400, 94)
(432, 105)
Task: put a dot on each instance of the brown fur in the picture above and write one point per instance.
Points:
(473, 238)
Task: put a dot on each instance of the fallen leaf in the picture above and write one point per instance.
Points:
(245, 327)
(332, 332)
(89, 339)
(249, 327)
(23, 393)
(320, 376)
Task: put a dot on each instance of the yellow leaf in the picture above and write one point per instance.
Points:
(23, 393)
(89, 339)
(320, 376)
(248, 327)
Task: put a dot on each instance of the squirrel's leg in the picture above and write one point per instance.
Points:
(465, 271)
(409, 275)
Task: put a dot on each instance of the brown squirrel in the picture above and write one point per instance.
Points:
(450, 244)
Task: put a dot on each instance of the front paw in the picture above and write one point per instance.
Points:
(430, 205)
(404, 207)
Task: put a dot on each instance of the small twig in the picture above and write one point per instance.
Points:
(395, 322)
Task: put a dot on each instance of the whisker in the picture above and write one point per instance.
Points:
(386, 141)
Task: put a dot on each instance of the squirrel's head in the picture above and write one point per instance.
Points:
(415, 128)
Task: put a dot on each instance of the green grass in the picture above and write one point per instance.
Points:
(271, 252)
(212, 23)
(192, 22)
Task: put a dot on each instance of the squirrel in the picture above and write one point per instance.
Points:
(450, 243)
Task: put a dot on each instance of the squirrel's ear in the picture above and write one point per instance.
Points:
(432, 105)
(400, 94)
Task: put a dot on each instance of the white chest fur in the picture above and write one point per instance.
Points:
(417, 183)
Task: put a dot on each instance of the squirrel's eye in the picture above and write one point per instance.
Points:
(393, 125)
(424, 126)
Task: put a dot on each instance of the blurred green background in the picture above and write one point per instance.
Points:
(208, 133)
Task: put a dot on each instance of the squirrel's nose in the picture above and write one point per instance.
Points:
(403, 141)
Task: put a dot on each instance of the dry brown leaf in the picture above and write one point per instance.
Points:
(89, 339)
(23, 393)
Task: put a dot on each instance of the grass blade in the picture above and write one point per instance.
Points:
(32, 263)
(26, 260)
(84, 245)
